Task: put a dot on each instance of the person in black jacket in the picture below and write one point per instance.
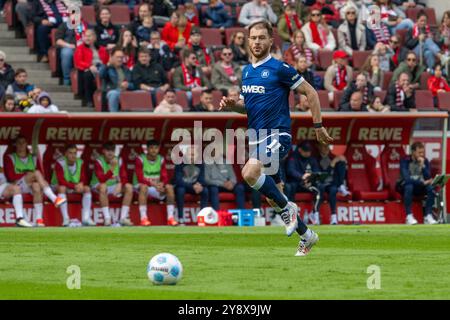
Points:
(148, 75)
(6, 73)
(144, 11)
(360, 84)
(107, 33)
(401, 95)
(206, 102)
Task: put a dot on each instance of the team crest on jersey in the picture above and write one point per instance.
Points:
(265, 73)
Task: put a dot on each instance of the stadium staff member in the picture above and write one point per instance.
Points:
(415, 180)
(110, 178)
(151, 179)
(69, 176)
(21, 169)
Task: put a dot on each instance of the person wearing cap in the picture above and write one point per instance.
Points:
(351, 33)
(318, 35)
(339, 75)
(204, 56)
(299, 167)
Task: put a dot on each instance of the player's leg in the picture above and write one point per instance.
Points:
(180, 191)
(86, 204)
(47, 190)
(429, 202)
(332, 200)
(127, 191)
(14, 192)
(239, 193)
(170, 203)
(214, 196)
(62, 191)
(102, 190)
(142, 200)
(408, 191)
(38, 203)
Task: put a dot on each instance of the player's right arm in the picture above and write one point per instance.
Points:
(228, 104)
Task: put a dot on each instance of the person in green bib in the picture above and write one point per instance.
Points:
(21, 169)
(151, 180)
(110, 178)
(69, 177)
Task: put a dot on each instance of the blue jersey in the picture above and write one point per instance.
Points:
(265, 89)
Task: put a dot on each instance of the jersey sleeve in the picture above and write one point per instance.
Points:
(289, 77)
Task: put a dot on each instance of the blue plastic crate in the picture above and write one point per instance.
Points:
(246, 218)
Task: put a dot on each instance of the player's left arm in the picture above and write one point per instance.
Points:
(314, 103)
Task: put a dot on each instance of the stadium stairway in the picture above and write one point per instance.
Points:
(19, 56)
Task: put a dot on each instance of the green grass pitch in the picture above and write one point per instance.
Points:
(227, 263)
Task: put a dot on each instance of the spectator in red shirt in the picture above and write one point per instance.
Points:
(21, 169)
(437, 83)
(191, 14)
(69, 176)
(151, 179)
(176, 32)
(110, 178)
(88, 58)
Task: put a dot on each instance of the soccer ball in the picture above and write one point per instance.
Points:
(164, 268)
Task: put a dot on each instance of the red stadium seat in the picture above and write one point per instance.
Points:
(120, 14)
(401, 33)
(88, 14)
(211, 36)
(325, 58)
(381, 94)
(74, 81)
(30, 33)
(277, 39)
(324, 101)
(53, 36)
(98, 104)
(230, 31)
(390, 167)
(387, 79)
(411, 13)
(444, 100)
(53, 60)
(362, 177)
(136, 101)
(359, 57)
(9, 12)
(337, 99)
(303, 197)
(424, 100)
(424, 80)
(293, 100)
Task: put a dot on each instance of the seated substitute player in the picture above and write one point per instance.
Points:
(110, 178)
(20, 169)
(151, 179)
(266, 85)
(69, 176)
(7, 191)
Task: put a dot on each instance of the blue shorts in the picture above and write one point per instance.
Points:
(271, 151)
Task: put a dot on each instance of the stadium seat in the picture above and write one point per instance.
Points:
(277, 39)
(424, 80)
(411, 13)
(88, 15)
(53, 36)
(136, 101)
(387, 79)
(303, 197)
(382, 94)
(30, 33)
(359, 57)
(211, 36)
(324, 101)
(53, 60)
(120, 14)
(9, 12)
(325, 59)
(293, 100)
(337, 99)
(230, 31)
(98, 103)
(401, 33)
(74, 81)
(390, 167)
(128, 154)
(444, 100)
(362, 178)
(424, 100)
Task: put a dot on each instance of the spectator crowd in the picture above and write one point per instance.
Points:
(165, 49)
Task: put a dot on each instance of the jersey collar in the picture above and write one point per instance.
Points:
(259, 63)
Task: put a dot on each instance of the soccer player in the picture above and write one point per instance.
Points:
(266, 84)
(7, 191)
(110, 178)
(20, 169)
(69, 176)
(151, 179)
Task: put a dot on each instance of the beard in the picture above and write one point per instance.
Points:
(261, 54)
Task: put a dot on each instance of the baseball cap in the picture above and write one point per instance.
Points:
(305, 146)
(339, 54)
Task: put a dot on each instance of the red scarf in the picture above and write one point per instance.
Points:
(340, 81)
(398, 96)
(190, 80)
(416, 30)
(298, 24)
(79, 32)
(299, 51)
(395, 56)
(315, 34)
(382, 33)
(365, 94)
(49, 12)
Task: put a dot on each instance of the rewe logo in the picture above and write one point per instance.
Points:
(253, 89)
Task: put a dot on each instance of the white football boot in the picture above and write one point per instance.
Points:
(89, 223)
(429, 219)
(410, 220)
(23, 223)
(290, 217)
(305, 246)
(334, 220)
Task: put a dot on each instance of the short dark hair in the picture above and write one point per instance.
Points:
(20, 136)
(71, 146)
(417, 145)
(421, 13)
(152, 142)
(19, 71)
(170, 90)
(263, 24)
(116, 49)
(186, 53)
(143, 50)
(109, 146)
(207, 91)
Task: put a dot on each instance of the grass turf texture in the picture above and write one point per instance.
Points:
(227, 263)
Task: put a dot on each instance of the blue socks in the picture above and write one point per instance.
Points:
(266, 185)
